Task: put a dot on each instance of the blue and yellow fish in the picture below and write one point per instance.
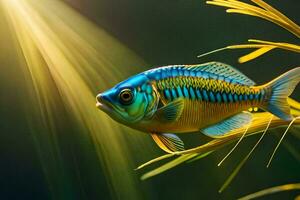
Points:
(212, 98)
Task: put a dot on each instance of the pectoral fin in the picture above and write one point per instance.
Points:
(170, 112)
(227, 125)
(168, 142)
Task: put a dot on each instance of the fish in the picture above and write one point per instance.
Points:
(212, 98)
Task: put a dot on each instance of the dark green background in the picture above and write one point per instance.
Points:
(162, 32)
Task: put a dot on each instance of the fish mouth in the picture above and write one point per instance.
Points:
(101, 104)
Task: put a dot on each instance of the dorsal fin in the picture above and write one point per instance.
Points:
(221, 69)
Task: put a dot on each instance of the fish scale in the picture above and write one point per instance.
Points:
(204, 94)
(207, 85)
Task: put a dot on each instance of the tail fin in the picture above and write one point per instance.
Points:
(281, 88)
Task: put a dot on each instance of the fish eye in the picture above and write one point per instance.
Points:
(126, 96)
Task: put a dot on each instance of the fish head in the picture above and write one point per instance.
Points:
(129, 101)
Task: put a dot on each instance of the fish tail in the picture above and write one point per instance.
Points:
(280, 88)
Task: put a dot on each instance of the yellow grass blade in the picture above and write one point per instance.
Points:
(272, 190)
(263, 47)
(168, 166)
(255, 54)
(262, 10)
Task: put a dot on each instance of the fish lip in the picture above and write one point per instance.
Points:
(101, 104)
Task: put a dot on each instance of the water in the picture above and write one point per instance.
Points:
(55, 57)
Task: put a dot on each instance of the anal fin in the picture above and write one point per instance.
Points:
(222, 128)
(168, 142)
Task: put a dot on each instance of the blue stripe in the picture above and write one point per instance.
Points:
(218, 97)
(241, 97)
(205, 96)
(179, 91)
(212, 97)
(173, 92)
(192, 93)
(257, 96)
(224, 97)
(167, 94)
(235, 97)
(180, 71)
(186, 72)
(155, 75)
(230, 97)
(199, 74)
(199, 96)
(251, 96)
(163, 74)
(205, 75)
(174, 72)
(192, 73)
(186, 92)
(169, 72)
(245, 97)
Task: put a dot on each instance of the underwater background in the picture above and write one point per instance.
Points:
(55, 56)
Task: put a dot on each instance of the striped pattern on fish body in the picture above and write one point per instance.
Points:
(208, 97)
